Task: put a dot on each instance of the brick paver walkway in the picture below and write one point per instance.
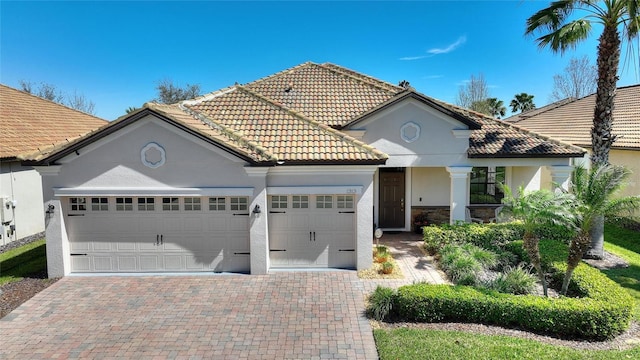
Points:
(294, 315)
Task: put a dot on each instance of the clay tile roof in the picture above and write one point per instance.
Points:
(283, 133)
(31, 124)
(573, 120)
(326, 93)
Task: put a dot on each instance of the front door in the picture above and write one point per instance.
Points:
(391, 198)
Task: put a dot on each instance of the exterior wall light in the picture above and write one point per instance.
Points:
(256, 209)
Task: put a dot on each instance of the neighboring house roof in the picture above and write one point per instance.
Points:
(536, 111)
(296, 116)
(572, 121)
(29, 123)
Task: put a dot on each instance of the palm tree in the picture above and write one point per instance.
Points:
(565, 32)
(594, 191)
(535, 209)
(496, 107)
(522, 102)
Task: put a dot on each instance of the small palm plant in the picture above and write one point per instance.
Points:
(594, 191)
(535, 209)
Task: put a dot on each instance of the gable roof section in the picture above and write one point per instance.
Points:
(285, 134)
(572, 121)
(324, 92)
(30, 123)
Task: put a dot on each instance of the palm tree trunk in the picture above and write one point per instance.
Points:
(608, 61)
(596, 250)
(579, 245)
(531, 246)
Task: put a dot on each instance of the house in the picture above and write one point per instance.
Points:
(29, 124)
(293, 170)
(572, 121)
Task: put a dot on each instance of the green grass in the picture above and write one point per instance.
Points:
(406, 343)
(626, 244)
(21, 262)
(439, 344)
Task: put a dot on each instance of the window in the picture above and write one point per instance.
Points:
(192, 204)
(484, 185)
(216, 203)
(345, 201)
(279, 202)
(300, 201)
(100, 204)
(324, 201)
(239, 203)
(146, 204)
(170, 204)
(78, 203)
(124, 204)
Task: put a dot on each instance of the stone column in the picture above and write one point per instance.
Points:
(459, 192)
(560, 176)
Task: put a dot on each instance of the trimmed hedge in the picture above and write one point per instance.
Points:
(604, 310)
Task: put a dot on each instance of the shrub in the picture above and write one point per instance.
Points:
(604, 311)
(464, 263)
(387, 267)
(514, 280)
(381, 303)
(488, 236)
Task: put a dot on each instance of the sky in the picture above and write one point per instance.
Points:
(115, 53)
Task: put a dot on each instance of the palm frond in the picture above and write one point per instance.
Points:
(567, 36)
(550, 18)
(632, 24)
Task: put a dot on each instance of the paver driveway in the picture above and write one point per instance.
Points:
(301, 315)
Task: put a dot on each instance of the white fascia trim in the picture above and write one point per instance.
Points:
(206, 191)
(320, 190)
(48, 170)
(324, 170)
(256, 171)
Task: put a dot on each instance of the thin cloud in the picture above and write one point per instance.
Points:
(411, 58)
(436, 51)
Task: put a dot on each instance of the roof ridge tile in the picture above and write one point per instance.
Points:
(362, 78)
(307, 63)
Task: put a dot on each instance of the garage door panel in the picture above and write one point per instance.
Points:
(153, 240)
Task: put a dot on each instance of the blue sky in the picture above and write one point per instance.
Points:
(116, 52)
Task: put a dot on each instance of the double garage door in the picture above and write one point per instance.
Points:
(158, 234)
(313, 231)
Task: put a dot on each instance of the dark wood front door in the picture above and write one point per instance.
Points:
(391, 198)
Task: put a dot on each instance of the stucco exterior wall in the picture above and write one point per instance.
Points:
(527, 176)
(430, 187)
(24, 185)
(630, 159)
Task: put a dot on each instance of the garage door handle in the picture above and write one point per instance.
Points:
(314, 236)
(161, 239)
(75, 215)
(247, 214)
(241, 253)
(76, 254)
(347, 250)
(346, 212)
(157, 239)
(309, 235)
(277, 212)
(277, 250)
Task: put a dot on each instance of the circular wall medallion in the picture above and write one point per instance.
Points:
(153, 155)
(410, 132)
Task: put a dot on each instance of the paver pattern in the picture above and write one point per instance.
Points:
(288, 315)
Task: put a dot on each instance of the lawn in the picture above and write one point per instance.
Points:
(17, 263)
(436, 344)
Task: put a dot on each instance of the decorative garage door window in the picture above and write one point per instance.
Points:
(100, 204)
(78, 203)
(217, 204)
(192, 204)
(239, 203)
(300, 201)
(345, 201)
(279, 202)
(324, 202)
(124, 204)
(146, 204)
(170, 204)
(153, 155)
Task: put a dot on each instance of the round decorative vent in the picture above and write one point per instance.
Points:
(153, 155)
(410, 132)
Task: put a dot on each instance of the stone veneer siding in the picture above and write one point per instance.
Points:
(439, 215)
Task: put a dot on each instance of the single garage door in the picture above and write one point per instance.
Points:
(307, 231)
(158, 234)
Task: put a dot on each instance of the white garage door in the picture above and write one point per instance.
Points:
(312, 231)
(158, 234)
